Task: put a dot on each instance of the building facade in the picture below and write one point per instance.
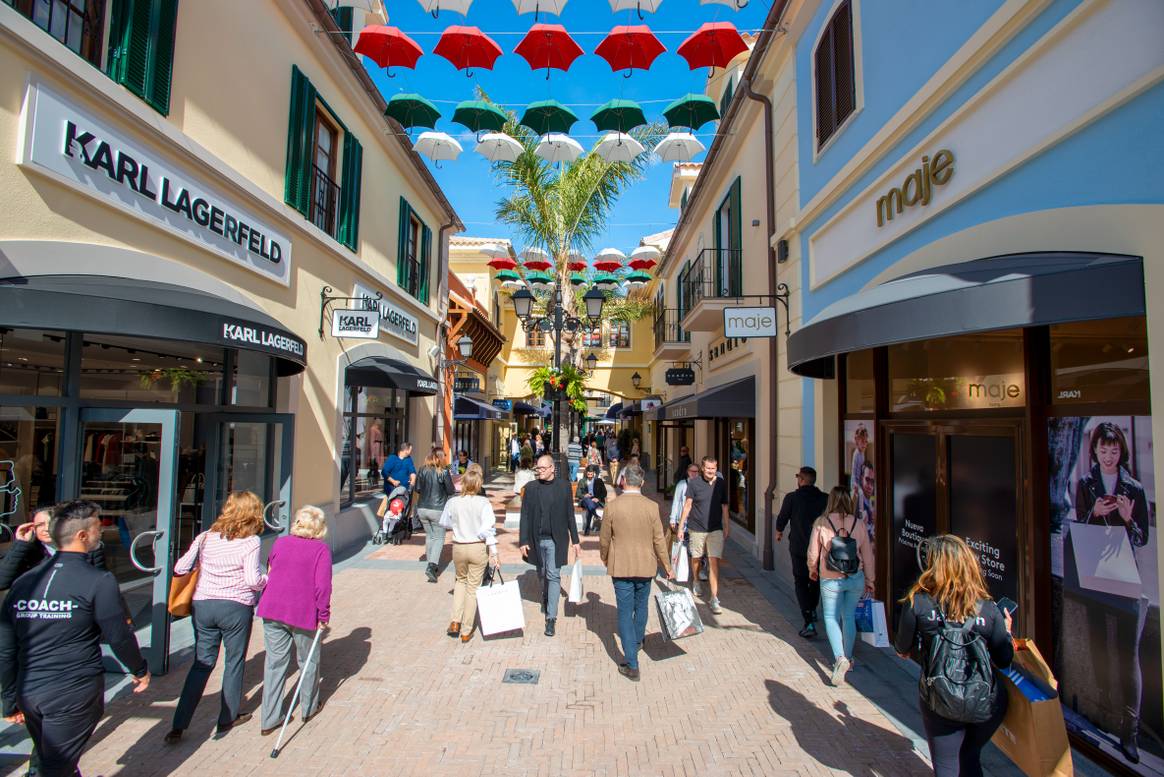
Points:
(178, 248)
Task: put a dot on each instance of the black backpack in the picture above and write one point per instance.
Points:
(842, 556)
(957, 680)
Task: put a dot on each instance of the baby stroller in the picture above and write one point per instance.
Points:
(394, 524)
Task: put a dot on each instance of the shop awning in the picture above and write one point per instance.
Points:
(613, 412)
(469, 409)
(1001, 292)
(731, 400)
(133, 307)
(525, 408)
(386, 372)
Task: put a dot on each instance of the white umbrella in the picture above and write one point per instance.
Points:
(533, 253)
(635, 5)
(646, 252)
(618, 147)
(610, 253)
(678, 147)
(539, 6)
(499, 147)
(495, 250)
(510, 284)
(735, 5)
(605, 285)
(434, 7)
(437, 146)
(556, 147)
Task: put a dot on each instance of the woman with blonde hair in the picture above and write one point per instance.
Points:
(470, 517)
(297, 602)
(229, 582)
(842, 559)
(434, 486)
(952, 590)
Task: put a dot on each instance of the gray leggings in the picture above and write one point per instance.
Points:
(434, 533)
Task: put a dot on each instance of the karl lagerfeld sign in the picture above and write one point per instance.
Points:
(260, 338)
(393, 320)
(93, 155)
(360, 324)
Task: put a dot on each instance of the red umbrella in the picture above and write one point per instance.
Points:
(548, 46)
(467, 48)
(502, 263)
(576, 265)
(715, 44)
(630, 46)
(607, 264)
(642, 263)
(388, 46)
(538, 264)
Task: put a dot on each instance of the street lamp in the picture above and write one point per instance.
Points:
(591, 363)
(636, 380)
(465, 346)
(523, 301)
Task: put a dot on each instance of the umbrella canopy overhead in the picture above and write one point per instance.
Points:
(609, 259)
(412, 110)
(628, 47)
(388, 46)
(538, 279)
(548, 46)
(499, 147)
(507, 275)
(435, 7)
(691, 110)
(495, 250)
(533, 252)
(467, 47)
(635, 5)
(645, 263)
(679, 147)
(605, 280)
(638, 277)
(618, 116)
(539, 7)
(437, 146)
(617, 147)
(735, 5)
(502, 263)
(546, 116)
(715, 44)
(577, 279)
(575, 261)
(538, 263)
(644, 258)
(556, 147)
(479, 115)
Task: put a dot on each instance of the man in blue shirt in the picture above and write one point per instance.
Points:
(399, 469)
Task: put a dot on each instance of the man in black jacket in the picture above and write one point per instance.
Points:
(33, 545)
(801, 508)
(592, 495)
(52, 624)
(547, 518)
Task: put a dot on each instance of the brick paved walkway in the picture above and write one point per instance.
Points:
(401, 698)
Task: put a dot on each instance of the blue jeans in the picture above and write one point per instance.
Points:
(839, 601)
(550, 574)
(573, 471)
(632, 594)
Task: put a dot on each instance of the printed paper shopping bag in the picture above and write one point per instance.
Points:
(1033, 734)
(679, 561)
(499, 607)
(871, 623)
(1105, 561)
(678, 617)
(576, 583)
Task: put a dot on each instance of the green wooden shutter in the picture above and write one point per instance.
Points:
(349, 205)
(343, 19)
(141, 48)
(161, 72)
(736, 258)
(402, 245)
(300, 136)
(425, 263)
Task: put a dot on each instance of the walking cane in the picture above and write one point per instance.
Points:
(298, 688)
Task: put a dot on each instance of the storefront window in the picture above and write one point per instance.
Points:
(28, 462)
(1100, 361)
(126, 369)
(859, 382)
(252, 379)
(32, 362)
(375, 423)
(972, 372)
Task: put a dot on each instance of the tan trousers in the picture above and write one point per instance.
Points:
(469, 561)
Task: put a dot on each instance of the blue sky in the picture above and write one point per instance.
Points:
(468, 182)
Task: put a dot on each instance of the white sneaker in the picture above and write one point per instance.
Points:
(703, 574)
(696, 589)
(714, 605)
(839, 669)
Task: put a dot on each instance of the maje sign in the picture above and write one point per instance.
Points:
(749, 322)
(94, 156)
(359, 323)
(393, 320)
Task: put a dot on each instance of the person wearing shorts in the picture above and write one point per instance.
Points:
(705, 515)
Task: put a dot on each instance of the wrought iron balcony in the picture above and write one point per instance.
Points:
(325, 195)
(713, 279)
(671, 339)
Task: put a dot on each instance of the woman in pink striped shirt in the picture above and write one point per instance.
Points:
(229, 581)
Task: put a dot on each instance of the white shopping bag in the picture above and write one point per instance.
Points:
(576, 583)
(678, 617)
(1105, 561)
(871, 623)
(679, 561)
(499, 607)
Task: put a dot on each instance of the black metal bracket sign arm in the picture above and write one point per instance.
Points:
(783, 296)
(325, 300)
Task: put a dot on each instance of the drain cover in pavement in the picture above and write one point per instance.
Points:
(521, 676)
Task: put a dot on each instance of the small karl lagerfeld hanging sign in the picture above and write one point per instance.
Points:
(359, 324)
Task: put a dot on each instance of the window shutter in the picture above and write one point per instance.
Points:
(736, 243)
(343, 19)
(349, 205)
(161, 58)
(726, 99)
(425, 263)
(843, 76)
(300, 136)
(119, 16)
(824, 88)
(133, 42)
(141, 48)
(402, 245)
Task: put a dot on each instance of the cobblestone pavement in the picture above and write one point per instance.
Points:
(401, 698)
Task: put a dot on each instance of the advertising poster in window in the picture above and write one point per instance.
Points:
(1105, 591)
(862, 476)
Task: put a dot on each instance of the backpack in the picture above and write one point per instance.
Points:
(957, 680)
(842, 555)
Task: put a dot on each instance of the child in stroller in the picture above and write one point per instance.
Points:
(395, 526)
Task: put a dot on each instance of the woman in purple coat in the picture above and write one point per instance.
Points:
(297, 600)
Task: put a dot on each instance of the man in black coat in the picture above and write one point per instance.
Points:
(592, 496)
(801, 508)
(547, 519)
(33, 545)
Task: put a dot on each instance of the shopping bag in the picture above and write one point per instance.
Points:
(1033, 734)
(679, 561)
(1104, 560)
(576, 583)
(499, 607)
(678, 617)
(871, 623)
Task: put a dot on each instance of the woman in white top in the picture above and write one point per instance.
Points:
(523, 475)
(470, 518)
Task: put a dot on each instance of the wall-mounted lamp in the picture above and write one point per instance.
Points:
(781, 251)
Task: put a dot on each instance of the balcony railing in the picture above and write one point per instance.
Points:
(668, 330)
(410, 275)
(324, 201)
(716, 273)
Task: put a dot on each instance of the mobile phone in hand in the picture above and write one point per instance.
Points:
(1010, 605)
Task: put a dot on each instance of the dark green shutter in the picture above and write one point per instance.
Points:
(402, 245)
(343, 19)
(349, 206)
(736, 258)
(141, 48)
(165, 19)
(425, 262)
(300, 137)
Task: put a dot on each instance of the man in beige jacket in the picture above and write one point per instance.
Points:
(633, 547)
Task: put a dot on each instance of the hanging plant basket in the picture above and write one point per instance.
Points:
(563, 384)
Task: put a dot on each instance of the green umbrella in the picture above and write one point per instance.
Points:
(638, 277)
(577, 278)
(412, 110)
(619, 116)
(548, 116)
(605, 277)
(691, 110)
(479, 115)
(538, 277)
(507, 275)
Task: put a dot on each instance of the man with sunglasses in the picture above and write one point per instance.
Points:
(547, 527)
